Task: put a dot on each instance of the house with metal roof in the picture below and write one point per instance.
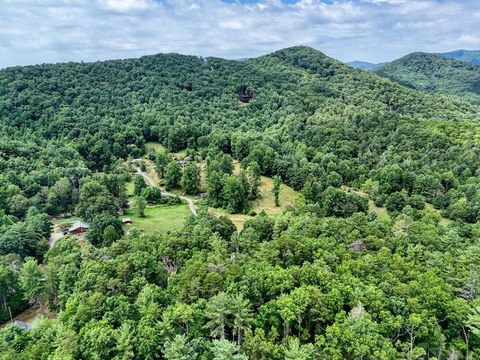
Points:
(78, 228)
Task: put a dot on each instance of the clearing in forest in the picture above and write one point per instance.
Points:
(159, 218)
(266, 201)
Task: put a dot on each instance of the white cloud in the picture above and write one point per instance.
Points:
(128, 5)
(391, 2)
(469, 39)
(373, 30)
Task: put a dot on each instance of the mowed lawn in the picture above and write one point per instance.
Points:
(160, 218)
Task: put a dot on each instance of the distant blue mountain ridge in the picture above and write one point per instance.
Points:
(469, 56)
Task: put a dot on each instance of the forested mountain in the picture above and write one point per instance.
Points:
(470, 56)
(363, 65)
(378, 260)
(434, 73)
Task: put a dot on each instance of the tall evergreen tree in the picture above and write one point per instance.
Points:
(276, 190)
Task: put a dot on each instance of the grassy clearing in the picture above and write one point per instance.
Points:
(382, 211)
(64, 221)
(182, 154)
(68, 220)
(154, 146)
(445, 221)
(236, 167)
(160, 218)
(237, 219)
(266, 202)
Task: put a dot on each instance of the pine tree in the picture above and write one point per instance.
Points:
(276, 190)
(179, 349)
(242, 316)
(218, 311)
(226, 350)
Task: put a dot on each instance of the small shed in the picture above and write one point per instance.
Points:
(78, 228)
(127, 221)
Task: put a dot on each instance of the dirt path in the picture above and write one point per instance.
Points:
(54, 237)
(189, 200)
(29, 316)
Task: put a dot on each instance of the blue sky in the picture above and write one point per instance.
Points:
(37, 31)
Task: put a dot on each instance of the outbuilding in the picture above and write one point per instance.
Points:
(77, 228)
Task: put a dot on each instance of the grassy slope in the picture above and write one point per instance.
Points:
(266, 202)
(382, 211)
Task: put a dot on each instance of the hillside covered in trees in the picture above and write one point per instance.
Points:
(470, 56)
(330, 278)
(435, 73)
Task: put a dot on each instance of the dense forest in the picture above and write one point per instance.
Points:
(435, 73)
(327, 278)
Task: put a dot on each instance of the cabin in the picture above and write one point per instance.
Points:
(127, 221)
(246, 98)
(245, 95)
(77, 228)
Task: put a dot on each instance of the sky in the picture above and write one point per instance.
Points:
(46, 31)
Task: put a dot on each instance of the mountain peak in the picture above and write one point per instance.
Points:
(434, 73)
(302, 50)
(363, 65)
(470, 56)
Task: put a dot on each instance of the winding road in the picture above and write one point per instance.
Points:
(189, 200)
